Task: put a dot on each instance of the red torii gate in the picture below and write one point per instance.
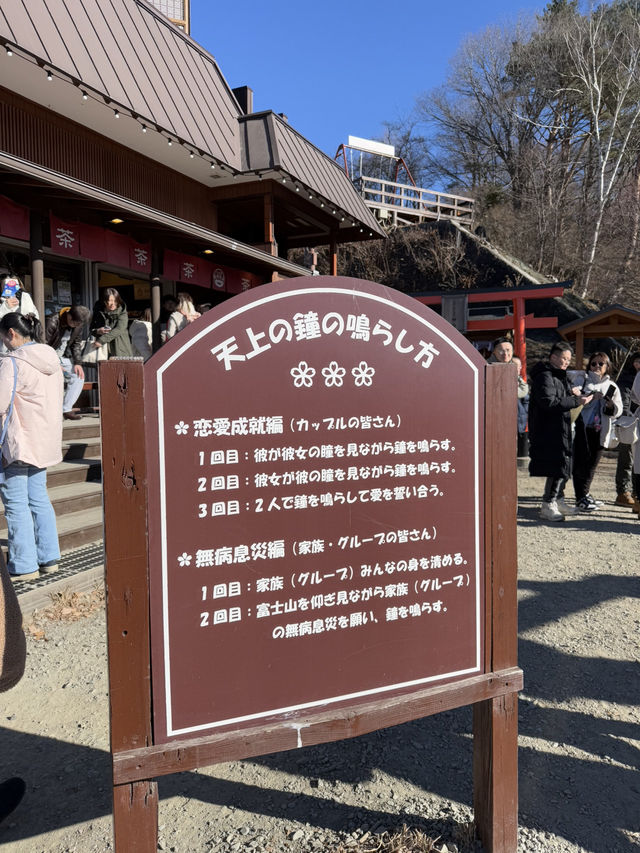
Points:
(517, 322)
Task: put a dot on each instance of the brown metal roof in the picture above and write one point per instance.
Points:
(132, 55)
(129, 56)
(269, 142)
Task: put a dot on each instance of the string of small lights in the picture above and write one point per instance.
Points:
(221, 169)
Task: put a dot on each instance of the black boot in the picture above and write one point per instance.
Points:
(11, 792)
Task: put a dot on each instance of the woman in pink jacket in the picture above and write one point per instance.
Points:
(31, 388)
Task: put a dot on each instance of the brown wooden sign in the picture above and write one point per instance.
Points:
(311, 466)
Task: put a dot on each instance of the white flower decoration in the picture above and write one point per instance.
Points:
(363, 374)
(182, 428)
(333, 375)
(303, 375)
(184, 559)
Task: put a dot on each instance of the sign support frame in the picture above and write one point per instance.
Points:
(137, 761)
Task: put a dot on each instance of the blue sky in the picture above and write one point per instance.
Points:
(340, 68)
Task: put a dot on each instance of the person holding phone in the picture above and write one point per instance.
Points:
(594, 426)
(553, 397)
(110, 324)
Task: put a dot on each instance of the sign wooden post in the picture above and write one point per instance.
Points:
(135, 803)
(310, 487)
(495, 721)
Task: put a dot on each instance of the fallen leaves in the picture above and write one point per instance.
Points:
(66, 606)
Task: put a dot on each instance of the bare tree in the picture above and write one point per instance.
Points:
(604, 52)
(540, 122)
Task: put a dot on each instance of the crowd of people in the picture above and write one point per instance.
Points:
(565, 417)
(569, 417)
(42, 375)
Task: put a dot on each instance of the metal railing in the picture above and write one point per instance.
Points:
(404, 201)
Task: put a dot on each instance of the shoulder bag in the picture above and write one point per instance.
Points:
(91, 354)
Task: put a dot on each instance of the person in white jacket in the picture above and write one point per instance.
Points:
(141, 334)
(31, 390)
(182, 316)
(594, 426)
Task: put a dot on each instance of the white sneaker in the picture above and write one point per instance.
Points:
(595, 501)
(550, 511)
(565, 508)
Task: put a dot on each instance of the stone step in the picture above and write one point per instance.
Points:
(69, 499)
(79, 528)
(81, 448)
(74, 471)
(87, 427)
(75, 529)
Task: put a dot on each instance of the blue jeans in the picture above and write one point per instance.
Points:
(72, 385)
(31, 521)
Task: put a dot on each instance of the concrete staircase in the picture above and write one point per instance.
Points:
(75, 486)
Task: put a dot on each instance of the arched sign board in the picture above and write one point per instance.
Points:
(315, 499)
(315, 517)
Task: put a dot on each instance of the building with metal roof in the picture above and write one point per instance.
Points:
(127, 160)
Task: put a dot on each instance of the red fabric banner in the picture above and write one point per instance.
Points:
(188, 269)
(117, 246)
(171, 265)
(14, 219)
(65, 236)
(194, 270)
(219, 277)
(140, 256)
(92, 242)
(238, 281)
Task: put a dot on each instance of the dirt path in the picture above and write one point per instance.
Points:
(579, 730)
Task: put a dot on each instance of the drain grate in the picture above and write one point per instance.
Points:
(71, 563)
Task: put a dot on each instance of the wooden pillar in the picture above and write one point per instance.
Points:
(156, 295)
(135, 817)
(495, 721)
(333, 254)
(519, 332)
(135, 806)
(37, 262)
(269, 226)
(579, 349)
(495, 770)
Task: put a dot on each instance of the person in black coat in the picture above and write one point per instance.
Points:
(550, 441)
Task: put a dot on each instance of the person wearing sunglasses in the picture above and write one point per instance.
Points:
(593, 426)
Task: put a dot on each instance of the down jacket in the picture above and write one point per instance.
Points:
(34, 433)
(550, 404)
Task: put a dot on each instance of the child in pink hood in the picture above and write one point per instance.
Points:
(31, 389)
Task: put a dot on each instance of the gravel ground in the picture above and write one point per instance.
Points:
(579, 730)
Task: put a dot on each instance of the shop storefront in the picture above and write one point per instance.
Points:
(66, 281)
(82, 260)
